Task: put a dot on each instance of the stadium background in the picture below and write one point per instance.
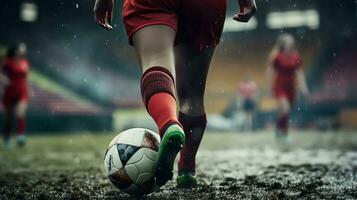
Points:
(84, 77)
(85, 83)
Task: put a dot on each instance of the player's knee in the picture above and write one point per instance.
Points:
(157, 57)
(20, 113)
(20, 110)
(155, 47)
(284, 105)
(285, 108)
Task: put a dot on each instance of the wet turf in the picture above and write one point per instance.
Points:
(230, 166)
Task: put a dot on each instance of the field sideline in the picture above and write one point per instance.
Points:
(230, 166)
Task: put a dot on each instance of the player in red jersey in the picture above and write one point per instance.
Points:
(14, 74)
(174, 41)
(285, 76)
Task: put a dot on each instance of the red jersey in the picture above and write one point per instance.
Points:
(285, 67)
(17, 72)
(17, 89)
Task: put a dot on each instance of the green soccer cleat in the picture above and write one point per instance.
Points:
(186, 180)
(282, 138)
(170, 145)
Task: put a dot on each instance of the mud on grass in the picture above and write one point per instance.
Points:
(252, 167)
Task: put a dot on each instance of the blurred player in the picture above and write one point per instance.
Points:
(14, 75)
(247, 90)
(174, 41)
(285, 76)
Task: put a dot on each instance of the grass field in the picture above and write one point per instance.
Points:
(230, 166)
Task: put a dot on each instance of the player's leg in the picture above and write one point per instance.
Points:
(282, 123)
(249, 121)
(193, 55)
(246, 115)
(20, 113)
(192, 66)
(8, 122)
(250, 113)
(154, 46)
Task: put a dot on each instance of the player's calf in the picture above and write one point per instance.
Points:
(194, 127)
(282, 124)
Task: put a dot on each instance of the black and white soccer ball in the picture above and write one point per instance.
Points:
(130, 161)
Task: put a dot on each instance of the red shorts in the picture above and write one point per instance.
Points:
(14, 95)
(197, 22)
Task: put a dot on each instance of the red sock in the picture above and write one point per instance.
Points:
(162, 108)
(194, 127)
(158, 92)
(21, 125)
(283, 122)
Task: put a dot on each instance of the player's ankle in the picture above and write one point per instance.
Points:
(21, 140)
(186, 172)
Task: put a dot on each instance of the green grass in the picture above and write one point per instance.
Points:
(58, 151)
(87, 149)
(243, 166)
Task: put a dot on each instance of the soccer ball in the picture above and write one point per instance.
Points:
(130, 161)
